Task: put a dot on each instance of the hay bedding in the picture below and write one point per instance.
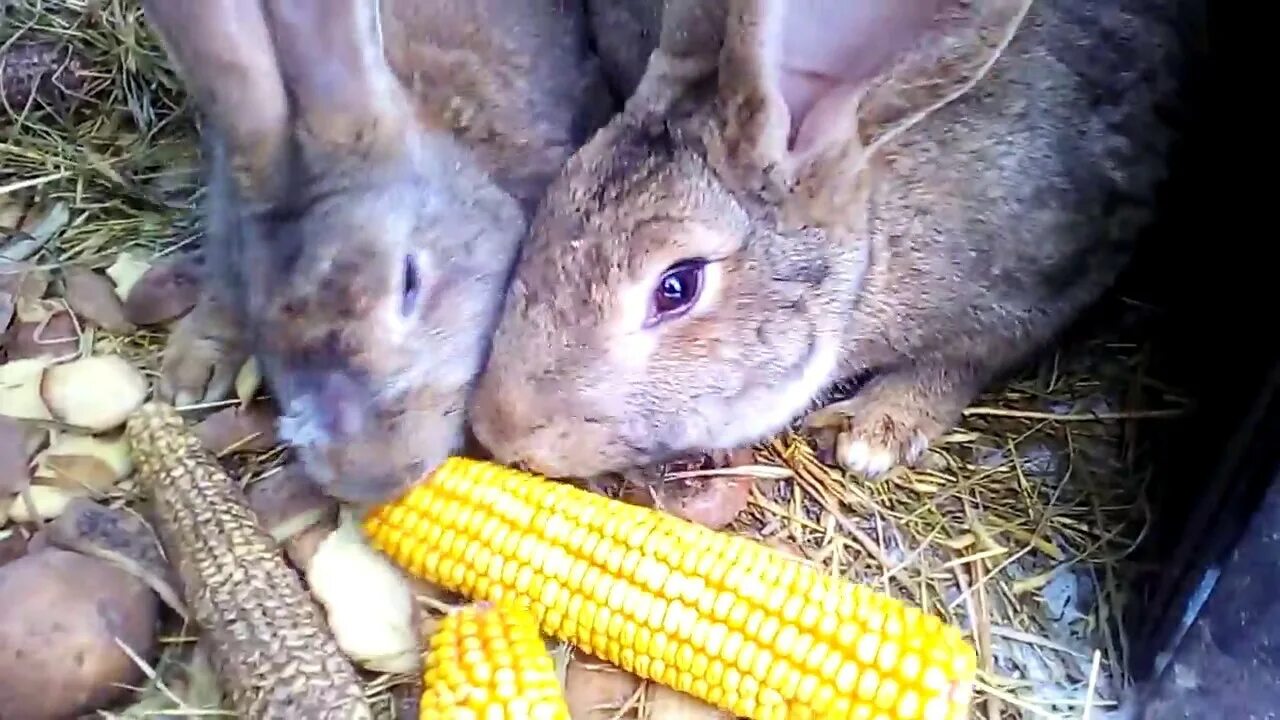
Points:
(1016, 528)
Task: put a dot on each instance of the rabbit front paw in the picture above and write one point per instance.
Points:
(890, 422)
(201, 358)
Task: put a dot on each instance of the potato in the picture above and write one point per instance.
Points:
(20, 382)
(96, 392)
(59, 621)
(166, 291)
(93, 297)
(367, 599)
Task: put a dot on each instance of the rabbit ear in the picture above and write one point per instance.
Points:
(792, 71)
(223, 50)
(346, 98)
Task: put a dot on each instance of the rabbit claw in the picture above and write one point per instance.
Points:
(201, 360)
(873, 454)
(890, 423)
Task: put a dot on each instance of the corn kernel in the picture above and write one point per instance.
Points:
(738, 625)
(489, 661)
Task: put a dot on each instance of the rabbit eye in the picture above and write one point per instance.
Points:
(677, 290)
(410, 287)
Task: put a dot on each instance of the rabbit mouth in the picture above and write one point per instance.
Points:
(371, 455)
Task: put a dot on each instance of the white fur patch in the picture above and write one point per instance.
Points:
(786, 400)
(301, 426)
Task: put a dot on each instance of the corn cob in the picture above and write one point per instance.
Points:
(269, 640)
(488, 661)
(720, 617)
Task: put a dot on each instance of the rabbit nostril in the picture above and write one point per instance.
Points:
(347, 418)
(341, 403)
(411, 286)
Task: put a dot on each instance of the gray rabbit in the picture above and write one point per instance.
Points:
(804, 191)
(371, 169)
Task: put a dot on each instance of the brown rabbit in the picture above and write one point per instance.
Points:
(919, 191)
(368, 163)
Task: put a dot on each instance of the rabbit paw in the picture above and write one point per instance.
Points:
(890, 423)
(201, 359)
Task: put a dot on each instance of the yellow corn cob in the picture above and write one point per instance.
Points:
(720, 617)
(488, 661)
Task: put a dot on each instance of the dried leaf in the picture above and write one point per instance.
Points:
(96, 392)
(713, 501)
(92, 296)
(36, 310)
(7, 308)
(20, 284)
(166, 291)
(121, 538)
(23, 280)
(16, 442)
(251, 429)
(670, 704)
(20, 389)
(12, 208)
(47, 221)
(248, 380)
(1034, 582)
(76, 471)
(596, 690)
(13, 544)
(43, 501)
(53, 336)
(710, 500)
(287, 505)
(92, 462)
(19, 246)
(45, 69)
(125, 272)
(786, 547)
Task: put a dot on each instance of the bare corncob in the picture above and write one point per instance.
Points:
(486, 661)
(269, 640)
(727, 620)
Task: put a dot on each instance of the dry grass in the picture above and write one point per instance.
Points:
(1017, 529)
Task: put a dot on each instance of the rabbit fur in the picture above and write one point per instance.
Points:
(371, 167)
(919, 193)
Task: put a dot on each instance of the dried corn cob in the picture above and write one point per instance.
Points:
(490, 661)
(269, 641)
(727, 620)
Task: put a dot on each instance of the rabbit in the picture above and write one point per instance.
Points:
(626, 34)
(917, 194)
(372, 170)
